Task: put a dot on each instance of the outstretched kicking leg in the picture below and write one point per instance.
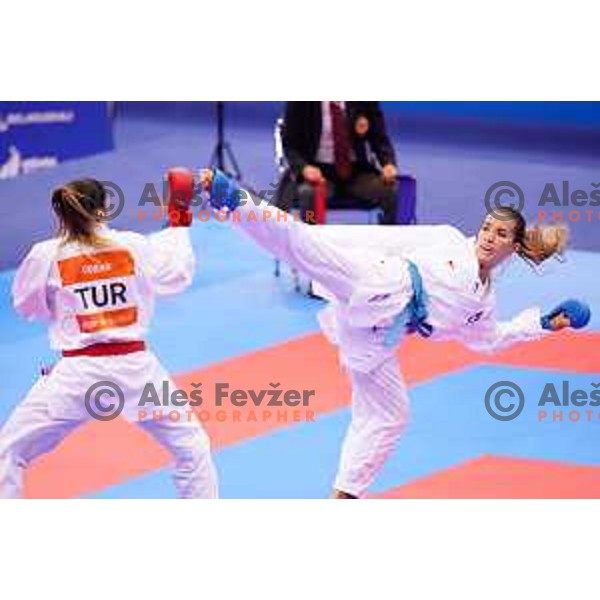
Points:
(301, 246)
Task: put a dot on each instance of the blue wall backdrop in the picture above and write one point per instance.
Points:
(559, 115)
(36, 135)
(562, 126)
(456, 150)
(564, 115)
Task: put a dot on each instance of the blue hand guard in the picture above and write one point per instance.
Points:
(577, 312)
(224, 192)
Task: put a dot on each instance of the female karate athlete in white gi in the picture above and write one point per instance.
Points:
(384, 281)
(96, 287)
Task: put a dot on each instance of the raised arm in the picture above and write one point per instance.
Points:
(169, 254)
(171, 261)
(490, 335)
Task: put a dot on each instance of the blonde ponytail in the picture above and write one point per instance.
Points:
(542, 242)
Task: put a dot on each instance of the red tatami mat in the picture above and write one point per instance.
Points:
(503, 477)
(103, 454)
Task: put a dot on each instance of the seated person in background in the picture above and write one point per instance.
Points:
(333, 142)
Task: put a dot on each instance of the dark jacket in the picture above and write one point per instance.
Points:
(302, 133)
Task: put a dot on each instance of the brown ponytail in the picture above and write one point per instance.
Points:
(79, 206)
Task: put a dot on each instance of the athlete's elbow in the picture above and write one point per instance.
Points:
(30, 311)
(22, 310)
(185, 281)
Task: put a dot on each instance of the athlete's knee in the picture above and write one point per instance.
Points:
(191, 449)
(394, 419)
(394, 428)
(401, 416)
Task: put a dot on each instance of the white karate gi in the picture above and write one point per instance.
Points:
(99, 295)
(363, 271)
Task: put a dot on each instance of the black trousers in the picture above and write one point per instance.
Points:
(364, 189)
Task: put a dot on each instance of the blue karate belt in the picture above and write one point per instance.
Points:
(413, 318)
